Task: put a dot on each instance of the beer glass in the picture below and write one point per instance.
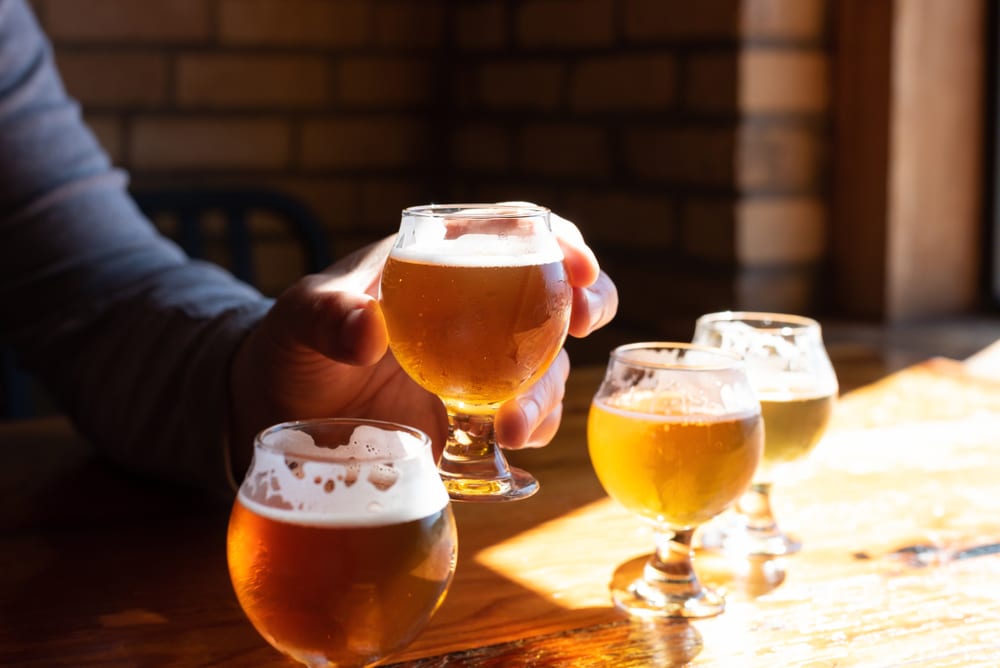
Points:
(477, 307)
(792, 375)
(675, 434)
(341, 541)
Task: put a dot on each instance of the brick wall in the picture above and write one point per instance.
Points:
(687, 139)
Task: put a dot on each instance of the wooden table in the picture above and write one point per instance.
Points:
(898, 509)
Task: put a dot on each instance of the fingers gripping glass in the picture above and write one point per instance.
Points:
(675, 435)
(477, 307)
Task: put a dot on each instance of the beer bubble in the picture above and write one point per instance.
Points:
(374, 507)
(328, 485)
(351, 471)
(382, 476)
(295, 467)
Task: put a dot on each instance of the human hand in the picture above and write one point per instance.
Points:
(321, 350)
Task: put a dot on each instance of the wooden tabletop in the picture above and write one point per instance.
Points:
(898, 510)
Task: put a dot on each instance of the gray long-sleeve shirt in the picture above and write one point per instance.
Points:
(132, 338)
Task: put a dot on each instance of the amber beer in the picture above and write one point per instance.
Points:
(671, 468)
(341, 541)
(348, 594)
(475, 329)
(794, 425)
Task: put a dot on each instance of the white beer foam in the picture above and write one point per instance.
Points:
(700, 414)
(483, 250)
(380, 476)
(786, 386)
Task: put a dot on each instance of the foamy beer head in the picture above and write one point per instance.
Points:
(341, 541)
(476, 300)
(342, 473)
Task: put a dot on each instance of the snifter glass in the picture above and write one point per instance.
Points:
(477, 307)
(792, 375)
(675, 435)
(341, 541)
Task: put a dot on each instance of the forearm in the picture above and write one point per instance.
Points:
(133, 339)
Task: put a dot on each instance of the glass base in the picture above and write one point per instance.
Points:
(634, 592)
(741, 577)
(516, 485)
(731, 535)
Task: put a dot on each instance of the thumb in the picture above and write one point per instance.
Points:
(345, 326)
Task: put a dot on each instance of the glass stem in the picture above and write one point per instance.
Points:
(755, 505)
(471, 450)
(670, 569)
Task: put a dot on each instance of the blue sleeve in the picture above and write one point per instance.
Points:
(132, 338)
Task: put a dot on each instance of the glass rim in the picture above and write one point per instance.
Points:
(727, 358)
(765, 321)
(333, 458)
(478, 210)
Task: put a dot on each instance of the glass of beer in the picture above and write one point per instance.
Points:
(341, 541)
(477, 307)
(675, 434)
(792, 375)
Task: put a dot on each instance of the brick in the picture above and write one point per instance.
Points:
(334, 199)
(352, 143)
(294, 22)
(230, 81)
(623, 218)
(406, 23)
(565, 23)
(482, 146)
(788, 20)
(652, 20)
(521, 189)
(708, 230)
(652, 292)
(107, 128)
(782, 157)
(566, 150)
(383, 200)
(386, 82)
(528, 85)
(701, 156)
(114, 78)
(712, 82)
(104, 21)
(776, 80)
(622, 83)
(789, 290)
(209, 143)
(481, 25)
(780, 231)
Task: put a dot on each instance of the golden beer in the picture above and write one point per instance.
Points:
(793, 426)
(347, 594)
(674, 468)
(475, 333)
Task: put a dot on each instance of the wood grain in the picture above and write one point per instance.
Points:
(897, 510)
